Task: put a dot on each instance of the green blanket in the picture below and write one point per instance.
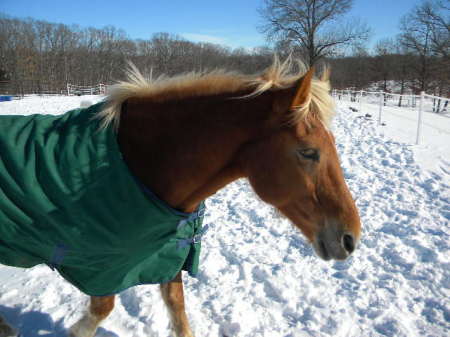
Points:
(67, 199)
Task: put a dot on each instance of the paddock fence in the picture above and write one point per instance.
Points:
(20, 89)
(416, 104)
(79, 90)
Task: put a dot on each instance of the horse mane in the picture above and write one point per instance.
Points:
(279, 75)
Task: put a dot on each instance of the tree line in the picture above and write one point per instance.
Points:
(38, 56)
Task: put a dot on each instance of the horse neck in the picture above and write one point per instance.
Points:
(186, 150)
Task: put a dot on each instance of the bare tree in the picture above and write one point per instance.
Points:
(316, 27)
(383, 62)
(436, 14)
(402, 65)
(425, 34)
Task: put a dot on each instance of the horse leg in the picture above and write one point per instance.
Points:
(100, 308)
(6, 330)
(172, 293)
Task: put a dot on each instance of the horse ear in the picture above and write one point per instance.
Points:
(303, 89)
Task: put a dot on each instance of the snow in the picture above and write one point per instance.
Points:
(259, 277)
(401, 125)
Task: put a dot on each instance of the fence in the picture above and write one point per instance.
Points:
(420, 103)
(78, 90)
(19, 89)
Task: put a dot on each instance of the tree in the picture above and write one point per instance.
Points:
(383, 62)
(314, 27)
(425, 33)
(402, 64)
(436, 15)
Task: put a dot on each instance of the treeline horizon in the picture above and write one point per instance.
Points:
(38, 56)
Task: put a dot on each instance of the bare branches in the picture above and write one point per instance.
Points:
(314, 27)
(427, 26)
(426, 34)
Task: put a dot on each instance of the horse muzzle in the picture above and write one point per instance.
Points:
(332, 243)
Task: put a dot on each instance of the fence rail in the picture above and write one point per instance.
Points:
(420, 103)
(78, 90)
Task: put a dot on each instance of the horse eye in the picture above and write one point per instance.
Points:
(311, 154)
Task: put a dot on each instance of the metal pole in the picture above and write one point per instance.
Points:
(381, 107)
(419, 119)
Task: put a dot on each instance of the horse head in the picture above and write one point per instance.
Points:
(296, 169)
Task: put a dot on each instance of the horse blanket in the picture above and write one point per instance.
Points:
(67, 199)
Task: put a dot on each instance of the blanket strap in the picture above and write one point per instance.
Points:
(183, 243)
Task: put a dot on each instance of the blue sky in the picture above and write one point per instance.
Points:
(231, 22)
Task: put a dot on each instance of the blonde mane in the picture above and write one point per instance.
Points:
(279, 75)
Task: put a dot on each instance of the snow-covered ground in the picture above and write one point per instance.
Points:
(401, 124)
(258, 275)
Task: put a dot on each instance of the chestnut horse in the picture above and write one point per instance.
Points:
(189, 136)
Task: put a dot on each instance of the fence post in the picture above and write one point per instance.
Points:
(381, 108)
(360, 100)
(419, 119)
(68, 89)
(438, 108)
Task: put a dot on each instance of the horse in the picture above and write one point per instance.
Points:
(183, 138)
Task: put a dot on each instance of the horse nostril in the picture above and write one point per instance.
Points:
(348, 243)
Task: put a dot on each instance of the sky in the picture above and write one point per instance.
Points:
(232, 22)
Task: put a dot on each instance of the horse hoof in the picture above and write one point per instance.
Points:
(78, 333)
(82, 329)
(182, 334)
